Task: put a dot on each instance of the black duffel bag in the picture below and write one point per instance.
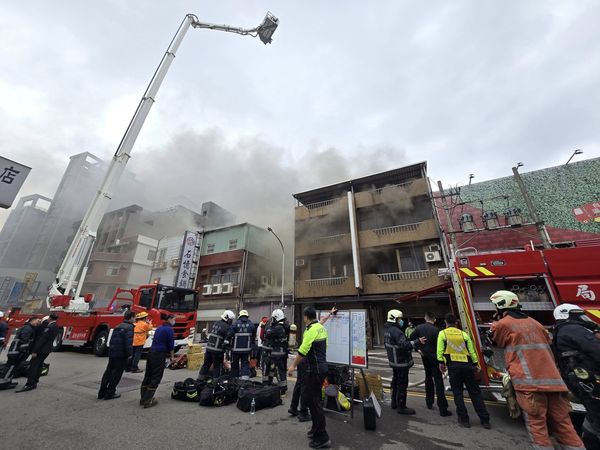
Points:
(222, 391)
(264, 396)
(187, 390)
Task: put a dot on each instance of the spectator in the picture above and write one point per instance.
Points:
(119, 352)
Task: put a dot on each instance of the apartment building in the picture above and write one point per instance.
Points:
(239, 268)
(364, 242)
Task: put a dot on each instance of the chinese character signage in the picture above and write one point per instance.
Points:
(12, 177)
(187, 258)
(590, 212)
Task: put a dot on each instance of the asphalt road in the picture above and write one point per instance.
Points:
(64, 413)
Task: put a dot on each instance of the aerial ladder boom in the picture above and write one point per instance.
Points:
(76, 259)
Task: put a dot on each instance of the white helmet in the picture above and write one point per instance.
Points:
(505, 299)
(561, 312)
(227, 315)
(278, 315)
(393, 315)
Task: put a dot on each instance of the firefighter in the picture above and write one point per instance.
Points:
(19, 351)
(456, 353)
(275, 350)
(540, 390)
(399, 353)
(216, 346)
(242, 335)
(577, 350)
(163, 344)
(119, 352)
(141, 330)
(41, 349)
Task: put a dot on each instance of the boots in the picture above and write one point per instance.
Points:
(143, 390)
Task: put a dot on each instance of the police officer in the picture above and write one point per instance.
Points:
(577, 351)
(216, 346)
(242, 335)
(19, 351)
(275, 350)
(41, 349)
(455, 352)
(399, 353)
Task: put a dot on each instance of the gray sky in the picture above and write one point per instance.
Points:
(346, 88)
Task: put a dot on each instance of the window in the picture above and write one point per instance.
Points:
(210, 248)
(232, 244)
(151, 254)
(161, 254)
(411, 259)
(113, 270)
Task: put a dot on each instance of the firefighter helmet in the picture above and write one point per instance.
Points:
(227, 315)
(393, 315)
(561, 312)
(243, 313)
(505, 299)
(141, 315)
(278, 315)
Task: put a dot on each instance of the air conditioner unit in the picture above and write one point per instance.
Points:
(217, 289)
(433, 257)
(299, 263)
(207, 289)
(434, 248)
(175, 262)
(227, 288)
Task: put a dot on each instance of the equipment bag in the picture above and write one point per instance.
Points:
(186, 390)
(180, 362)
(369, 411)
(223, 391)
(264, 397)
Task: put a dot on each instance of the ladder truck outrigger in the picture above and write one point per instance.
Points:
(81, 325)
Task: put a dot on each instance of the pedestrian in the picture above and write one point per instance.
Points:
(434, 381)
(399, 352)
(260, 335)
(577, 351)
(162, 347)
(314, 350)
(242, 335)
(19, 351)
(120, 350)
(42, 347)
(142, 328)
(297, 408)
(539, 388)
(410, 329)
(456, 353)
(275, 351)
(3, 332)
(216, 346)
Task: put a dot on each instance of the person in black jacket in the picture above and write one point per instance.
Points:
(216, 346)
(577, 349)
(119, 351)
(433, 376)
(275, 351)
(41, 349)
(399, 352)
(242, 335)
(19, 351)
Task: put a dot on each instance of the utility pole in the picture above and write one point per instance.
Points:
(449, 219)
(532, 211)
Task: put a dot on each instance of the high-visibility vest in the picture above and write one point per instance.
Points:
(456, 346)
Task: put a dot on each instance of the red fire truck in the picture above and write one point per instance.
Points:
(94, 327)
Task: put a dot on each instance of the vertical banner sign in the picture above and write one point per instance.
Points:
(12, 177)
(187, 256)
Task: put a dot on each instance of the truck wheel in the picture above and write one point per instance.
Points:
(57, 343)
(100, 343)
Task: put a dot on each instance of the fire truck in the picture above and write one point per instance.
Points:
(542, 279)
(94, 327)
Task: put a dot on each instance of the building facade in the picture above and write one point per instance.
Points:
(362, 243)
(239, 268)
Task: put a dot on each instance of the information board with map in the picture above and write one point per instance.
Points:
(347, 338)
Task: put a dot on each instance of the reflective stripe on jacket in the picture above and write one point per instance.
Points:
(455, 346)
(398, 348)
(529, 358)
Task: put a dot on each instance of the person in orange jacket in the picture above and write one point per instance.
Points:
(143, 325)
(540, 390)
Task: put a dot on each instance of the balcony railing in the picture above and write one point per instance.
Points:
(397, 229)
(327, 281)
(401, 276)
(328, 239)
(322, 204)
(380, 190)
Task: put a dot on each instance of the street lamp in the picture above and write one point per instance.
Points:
(519, 164)
(282, 264)
(576, 152)
(471, 176)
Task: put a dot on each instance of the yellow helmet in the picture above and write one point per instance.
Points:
(505, 299)
(243, 312)
(141, 315)
(393, 315)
